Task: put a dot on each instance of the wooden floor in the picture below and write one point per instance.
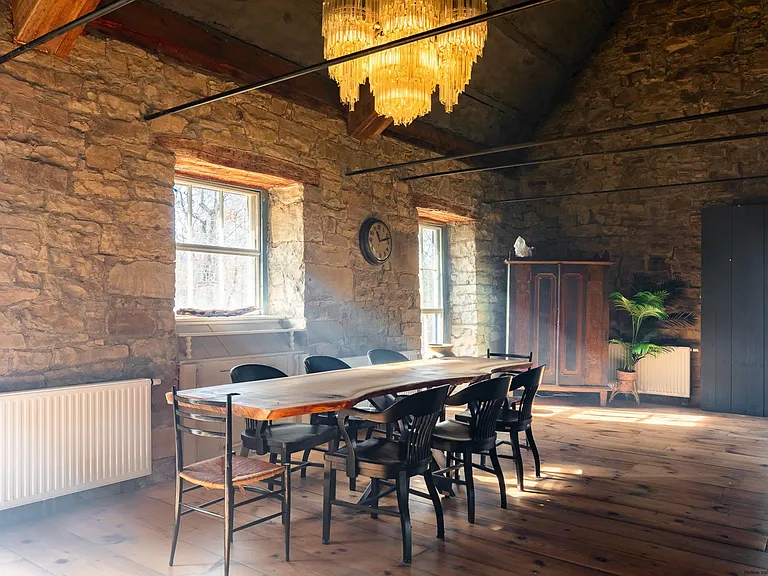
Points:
(649, 490)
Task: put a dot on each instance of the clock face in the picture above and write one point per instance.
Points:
(375, 241)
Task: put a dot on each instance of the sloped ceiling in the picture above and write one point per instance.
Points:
(529, 57)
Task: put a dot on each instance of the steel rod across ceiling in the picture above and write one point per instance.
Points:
(354, 56)
(85, 19)
(629, 189)
(583, 155)
(563, 139)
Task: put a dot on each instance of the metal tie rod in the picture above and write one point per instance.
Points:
(562, 139)
(354, 56)
(589, 155)
(630, 189)
(85, 19)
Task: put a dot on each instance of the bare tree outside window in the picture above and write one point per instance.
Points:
(218, 256)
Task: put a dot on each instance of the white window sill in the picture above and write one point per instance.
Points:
(191, 326)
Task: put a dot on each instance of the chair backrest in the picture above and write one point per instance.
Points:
(384, 356)
(187, 412)
(315, 364)
(529, 381)
(254, 372)
(485, 399)
(528, 356)
(418, 414)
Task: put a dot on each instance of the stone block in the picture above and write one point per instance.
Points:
(329, 283)
(130, 323)
(148, 279)
(89, 354)
(15, 294)
(106, 158)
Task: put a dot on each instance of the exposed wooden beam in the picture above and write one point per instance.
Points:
(168, 34)
(364, 122)
(33, 18)
(211, 161)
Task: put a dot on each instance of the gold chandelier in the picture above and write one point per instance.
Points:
(403, 79)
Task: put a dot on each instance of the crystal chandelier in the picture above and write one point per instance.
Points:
(403, 79)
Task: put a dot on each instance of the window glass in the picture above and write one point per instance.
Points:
(218, 261)
(431, 281)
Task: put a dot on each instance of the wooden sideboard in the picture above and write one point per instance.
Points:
(559, 310)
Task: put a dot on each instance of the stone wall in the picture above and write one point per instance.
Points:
(86, 228)
(667, 58)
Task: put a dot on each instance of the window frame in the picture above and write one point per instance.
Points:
(442, 260)
(257, 207)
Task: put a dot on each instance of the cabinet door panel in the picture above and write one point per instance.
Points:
(572, 288)
(545, 320)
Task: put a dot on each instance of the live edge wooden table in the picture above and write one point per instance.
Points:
(331, 391)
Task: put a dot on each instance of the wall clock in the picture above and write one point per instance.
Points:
(375, 241)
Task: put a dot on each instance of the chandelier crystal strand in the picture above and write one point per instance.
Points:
(403, 79)
(348, 26)
(460, 49)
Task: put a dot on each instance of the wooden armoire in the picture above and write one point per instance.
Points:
(559, 310)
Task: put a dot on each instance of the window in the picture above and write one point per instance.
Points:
(431, 279)
(218, 247)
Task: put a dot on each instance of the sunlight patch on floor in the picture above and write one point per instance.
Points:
(638, 417)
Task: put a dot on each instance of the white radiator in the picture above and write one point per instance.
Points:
(58, 441)
(666, 375)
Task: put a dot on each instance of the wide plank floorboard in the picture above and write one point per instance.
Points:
(625, 491)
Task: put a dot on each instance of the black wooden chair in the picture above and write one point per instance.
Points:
(516, 418)
(461, 440)
(384, 356)
(280, 440)
(225, 473)
(316, 364)
(383, 459)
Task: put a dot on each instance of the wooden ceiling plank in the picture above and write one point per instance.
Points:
(364, 122)
(33, 18)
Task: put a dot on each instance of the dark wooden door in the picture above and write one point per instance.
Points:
(733, 311)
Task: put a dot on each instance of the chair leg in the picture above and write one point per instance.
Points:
(229, 512)
(430, 482)
(375, 490)
(272, 460)
(470, 487)
(287, 511)
(305, 459)
(405, 514)
(534, 451)
(285, 460)
(177, 515)
(329, 493)
(499, 476)
(483, 460)
(517, 455)
(369, 433)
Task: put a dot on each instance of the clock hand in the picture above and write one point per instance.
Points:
(377, 236)
(387, 239)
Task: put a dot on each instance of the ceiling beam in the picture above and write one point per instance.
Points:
(33, 18)
(364, 122)
(183, 40)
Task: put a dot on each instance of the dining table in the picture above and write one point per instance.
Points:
(341, 389)
(338, 390)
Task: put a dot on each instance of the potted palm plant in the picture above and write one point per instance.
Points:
(647, 309)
